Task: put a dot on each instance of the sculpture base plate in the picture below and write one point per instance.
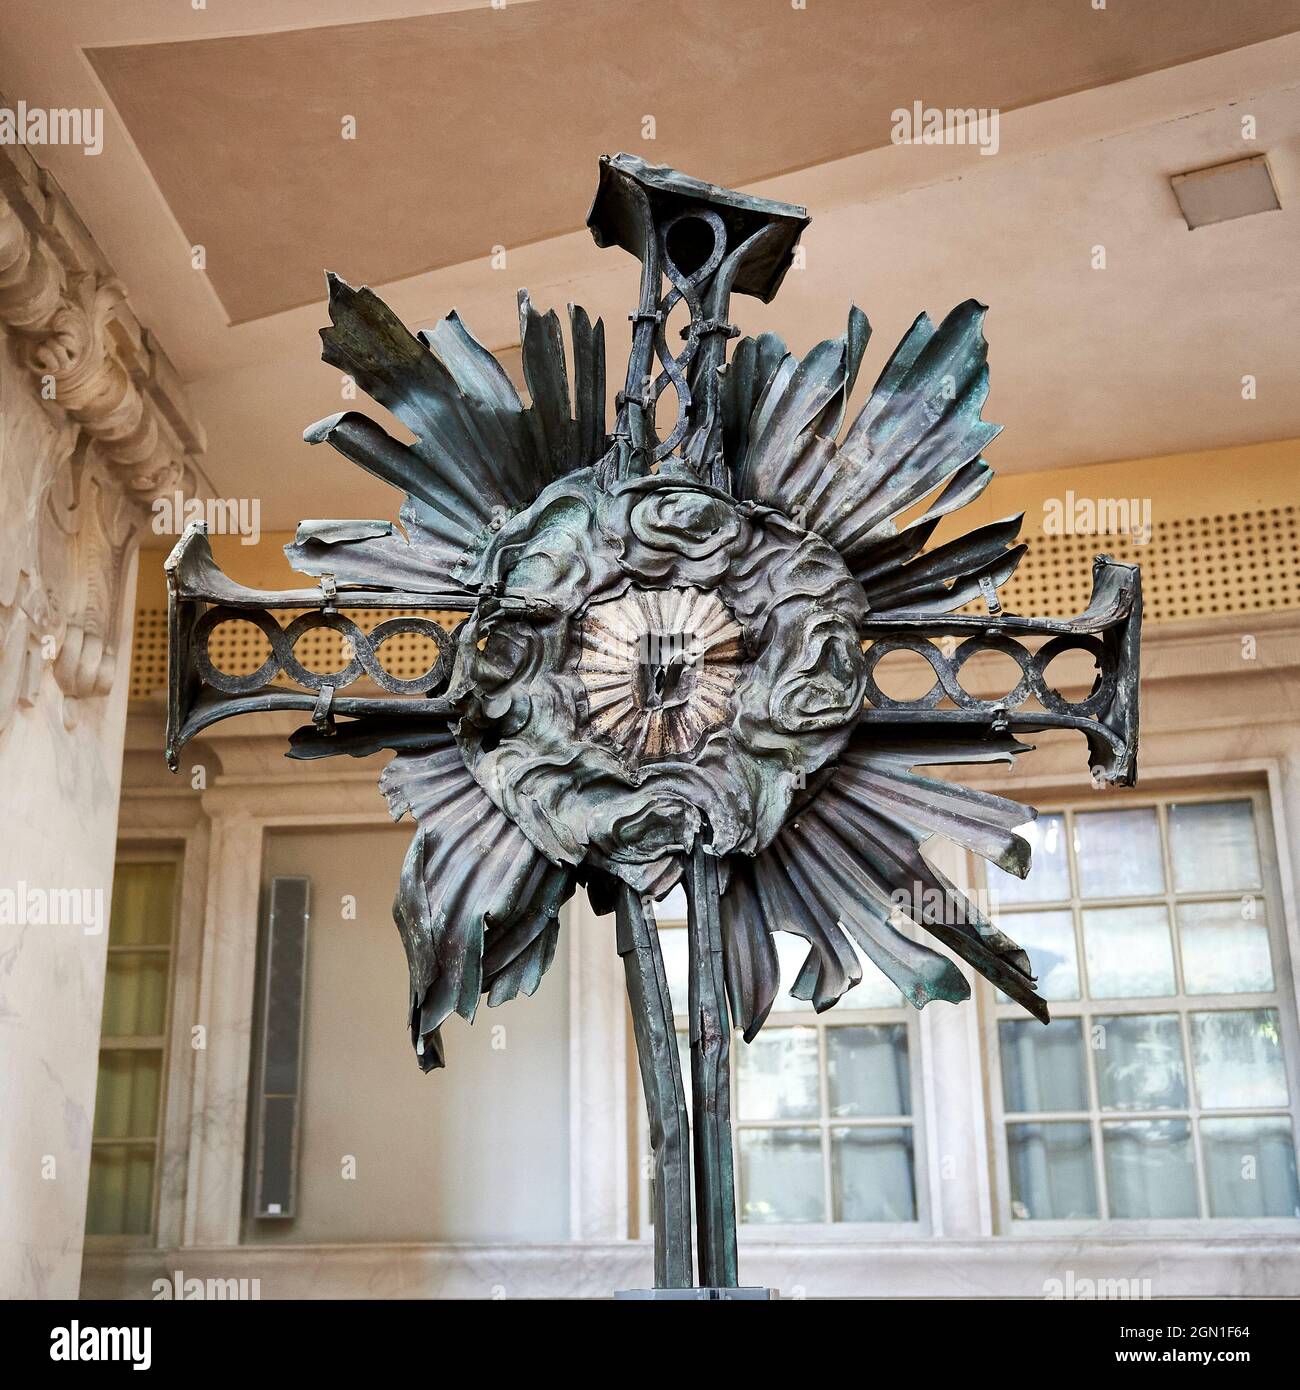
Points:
(707, 1295)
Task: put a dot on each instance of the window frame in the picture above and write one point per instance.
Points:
(140, 852)
(794, 1232)
(1180, 1004)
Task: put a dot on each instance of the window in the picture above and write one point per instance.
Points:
(132, 1052)
(822, 1106)
(1160, 1089)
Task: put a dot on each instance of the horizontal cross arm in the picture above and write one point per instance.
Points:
(1109, 631)
(200, 598)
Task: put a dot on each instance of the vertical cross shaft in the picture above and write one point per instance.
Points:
(715, 1192)
(661, 1079)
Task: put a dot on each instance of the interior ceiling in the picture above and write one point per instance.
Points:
(482, 127)
(478, 127)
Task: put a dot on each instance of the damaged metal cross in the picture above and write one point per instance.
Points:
(666, 669)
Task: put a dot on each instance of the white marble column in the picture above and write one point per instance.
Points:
(598, 1078)
(91, 426)
(215, 1178)
(61, 795)
(955, 1125)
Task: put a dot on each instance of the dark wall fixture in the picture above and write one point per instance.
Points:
(277, 1095)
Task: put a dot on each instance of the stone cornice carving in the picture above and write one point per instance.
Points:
(95, 426)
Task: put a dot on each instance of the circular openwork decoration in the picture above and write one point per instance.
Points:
(697, 659)
(1032, 682)
(361, 648)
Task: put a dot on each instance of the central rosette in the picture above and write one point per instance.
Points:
(659, 668)
(652, 663)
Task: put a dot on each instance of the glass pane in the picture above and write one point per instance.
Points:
(1049, 870)
(1139, 1060)
(143, 896)
(1212, 846)
(1048, 937)
(871, 1172)
(135, 994)
(1051, 1171)
(1225, 951)
(1250, 1166)
(791, 951)
(867, 1070)
(778, 1075)
(126, 1103)
(1042, 1068)
(1238, 1058)
(1150, 1172)
(120, 1199)
(874, 991)
(1118, 853)
(672, 944)
(1128, 951)
(781, 1175)
(672, 906)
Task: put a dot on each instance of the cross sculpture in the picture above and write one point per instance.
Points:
(666, 671)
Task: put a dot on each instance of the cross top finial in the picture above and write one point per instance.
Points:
(706, 242)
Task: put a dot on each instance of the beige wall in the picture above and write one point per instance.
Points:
(1198, 484)
(1203, 483)
(476, 1152)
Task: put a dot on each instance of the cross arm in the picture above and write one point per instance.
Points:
(200, 597)
(1109, 630)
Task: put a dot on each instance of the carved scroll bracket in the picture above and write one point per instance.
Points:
(94, 425)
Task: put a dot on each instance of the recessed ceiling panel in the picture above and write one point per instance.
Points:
(390, 148)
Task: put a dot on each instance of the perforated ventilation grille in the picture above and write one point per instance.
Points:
(1195, 567)
(149, 653)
